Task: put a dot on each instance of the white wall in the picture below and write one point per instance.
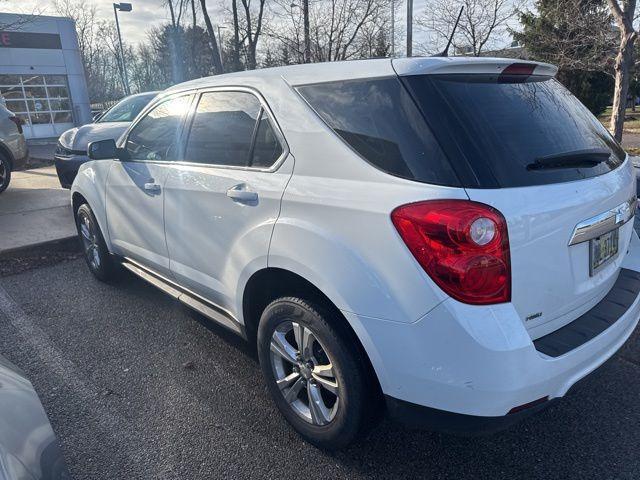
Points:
(66, 61)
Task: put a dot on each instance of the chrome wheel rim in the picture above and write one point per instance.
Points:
(89, 237)
(304, 373)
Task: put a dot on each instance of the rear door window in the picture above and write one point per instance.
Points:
(222, 129)
(379, 120)
(515, 133)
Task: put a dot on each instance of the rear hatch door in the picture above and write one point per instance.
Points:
(525, 145)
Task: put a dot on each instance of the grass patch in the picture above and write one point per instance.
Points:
(631, 120)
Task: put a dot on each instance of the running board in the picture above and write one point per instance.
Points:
(190, 299)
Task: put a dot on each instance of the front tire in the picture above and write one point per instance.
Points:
(5, 173)
(100, 262)
(315, 378)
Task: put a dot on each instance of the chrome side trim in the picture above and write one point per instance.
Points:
(604, 222)
(190, 299)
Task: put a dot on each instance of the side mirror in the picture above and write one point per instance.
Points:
(104, 150)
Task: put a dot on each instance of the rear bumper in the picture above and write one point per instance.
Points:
(480, 361)
(416, 416)
(67, 168)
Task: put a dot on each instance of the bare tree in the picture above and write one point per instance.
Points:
(252, 21)
(177, 9)
(97, 41)
(481, 22)
(623, 12)
(217, 62)
(339, 29)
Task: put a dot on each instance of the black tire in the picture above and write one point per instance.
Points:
(100, 262)
(5, 173)
(348, 370)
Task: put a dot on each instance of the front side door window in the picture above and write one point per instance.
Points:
(157, 136)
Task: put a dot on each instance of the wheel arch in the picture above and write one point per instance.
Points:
(77, 199)
(6, 152)
(270, 283)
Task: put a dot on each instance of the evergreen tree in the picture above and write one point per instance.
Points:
(577, 36)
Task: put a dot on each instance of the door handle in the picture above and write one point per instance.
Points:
(152, 187)
(240, 193)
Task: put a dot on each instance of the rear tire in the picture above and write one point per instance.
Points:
(5, 173)
(101, 263)
(317, 381)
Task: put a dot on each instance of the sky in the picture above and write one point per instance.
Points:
(149, 13)
(134, 24)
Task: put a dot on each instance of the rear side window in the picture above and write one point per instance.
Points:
(380, 121)
(222, 129)
(267, 148)
(515, 133)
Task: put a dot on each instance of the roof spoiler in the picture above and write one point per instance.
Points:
(472, 65)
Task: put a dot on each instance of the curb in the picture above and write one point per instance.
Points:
(70, 244)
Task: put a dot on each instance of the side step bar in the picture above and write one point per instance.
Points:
(190, 299)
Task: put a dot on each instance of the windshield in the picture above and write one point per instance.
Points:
(127, 109)
(514, 133)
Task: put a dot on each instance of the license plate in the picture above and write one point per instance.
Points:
(602, 249)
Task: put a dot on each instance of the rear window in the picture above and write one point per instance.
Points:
(381, 122)
(510, 132)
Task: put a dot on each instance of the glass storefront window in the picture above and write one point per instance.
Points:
(11, 92)
(62, 117)
(37, 99)
(33, 79)
(39, 118)
(9, 79)
(60, 80)
(16, 105)
(35, 92)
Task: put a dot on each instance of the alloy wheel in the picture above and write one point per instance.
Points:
(89, 235)
(304, 373)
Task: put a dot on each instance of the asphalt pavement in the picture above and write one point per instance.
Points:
(137, 386)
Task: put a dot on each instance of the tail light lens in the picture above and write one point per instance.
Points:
(18, 123)
(462, 245)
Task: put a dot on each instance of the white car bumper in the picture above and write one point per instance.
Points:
(481, 361)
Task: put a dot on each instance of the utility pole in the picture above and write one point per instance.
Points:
(221, 43)
(307, 39)
(123, 7)
(393, 27)
(409, 28)
(307, 35)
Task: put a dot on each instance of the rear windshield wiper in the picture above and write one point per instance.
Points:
(577, 158)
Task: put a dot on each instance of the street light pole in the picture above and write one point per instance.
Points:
(307, 36)
(221, 45)
(123, 7)
(393, 27)
(409, 28)
(307, 40)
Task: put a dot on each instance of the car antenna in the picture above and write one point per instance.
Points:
(445, 52)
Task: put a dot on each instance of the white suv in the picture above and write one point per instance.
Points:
(446, 238)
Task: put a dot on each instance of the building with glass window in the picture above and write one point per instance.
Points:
(42, 78)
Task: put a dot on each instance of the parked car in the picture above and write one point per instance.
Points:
(71, 151)
(449, 238)
(13, 146)
(28, 447)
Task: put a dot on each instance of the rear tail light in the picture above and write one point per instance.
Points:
(18, 123)
(462, 245)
